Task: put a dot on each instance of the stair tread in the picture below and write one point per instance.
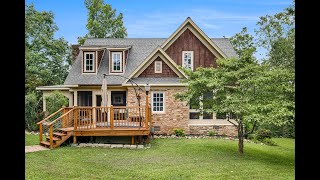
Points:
(54, 138)
(45, 143)
(59, 134)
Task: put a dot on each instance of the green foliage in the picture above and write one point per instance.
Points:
(263, 134)
(47, 59)
(55, 101)
(212, 133)
(179, 132)
(277, 34)
(243, 43)
(287, 130)
(102, 22)
(32, 116)
(269, 142)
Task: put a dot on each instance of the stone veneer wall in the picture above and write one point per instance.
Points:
(229, 130)
(176, 112)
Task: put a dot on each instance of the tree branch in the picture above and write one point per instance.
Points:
(253, 127)
(232, 123)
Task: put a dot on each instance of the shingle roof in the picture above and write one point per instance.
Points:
(140, 49)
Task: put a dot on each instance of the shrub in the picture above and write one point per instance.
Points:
(212, 133)
(262, 134)
(31, 111)
(55, 101)
(269, 142)
(179, 132)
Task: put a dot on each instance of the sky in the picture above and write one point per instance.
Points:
(160, 18)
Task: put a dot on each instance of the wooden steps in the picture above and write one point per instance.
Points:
(57, 139)
(59, 134)
(54, 138)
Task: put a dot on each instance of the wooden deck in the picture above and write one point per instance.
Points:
(95, 121)
(107, 131)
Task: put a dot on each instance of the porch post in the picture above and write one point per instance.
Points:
(75, 98)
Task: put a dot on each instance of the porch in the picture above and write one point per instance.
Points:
(95, 121)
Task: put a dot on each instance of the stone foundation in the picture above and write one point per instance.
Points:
(228, 130)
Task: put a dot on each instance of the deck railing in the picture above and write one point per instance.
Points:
(111, 117)
(80, 118)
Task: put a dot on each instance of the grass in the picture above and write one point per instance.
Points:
(31, 139)
(166, 159)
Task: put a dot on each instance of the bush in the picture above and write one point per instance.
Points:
(212, 133)
(55, 101)
(31, 111)
(269, 142)
(262, 134)
(287, 131)
(179, 132)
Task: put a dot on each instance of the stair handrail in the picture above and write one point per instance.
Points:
(50, 116)
(60, 117)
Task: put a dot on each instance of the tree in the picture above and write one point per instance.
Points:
(277, 34)
(243, 44)
(55, 101)
(47, 59)
(102, 21)
(250, 92)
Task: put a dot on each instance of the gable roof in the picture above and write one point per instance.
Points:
(189, 24)
(158, 52)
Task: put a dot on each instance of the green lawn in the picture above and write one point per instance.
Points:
(166, 159)
(31, 139)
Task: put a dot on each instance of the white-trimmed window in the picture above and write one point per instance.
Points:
(187, 59)
(116, 63)
(89, 62)
(158, 102)
(196, 108)
(158, 67)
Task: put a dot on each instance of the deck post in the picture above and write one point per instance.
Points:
(132, 140)
(40, 132)
(75, 121)
(111, 117)
(147, 111)
(51, 136)
(64, 119)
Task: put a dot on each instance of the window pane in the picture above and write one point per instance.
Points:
(194, 115)
(207, 115)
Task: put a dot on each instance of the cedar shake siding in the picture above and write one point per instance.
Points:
(187, 41)
(150, 71)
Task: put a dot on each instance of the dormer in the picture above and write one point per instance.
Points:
(91, 59)
(118, 57)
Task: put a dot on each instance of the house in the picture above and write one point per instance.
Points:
(132, 63)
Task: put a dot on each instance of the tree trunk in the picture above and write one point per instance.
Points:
(240, 136)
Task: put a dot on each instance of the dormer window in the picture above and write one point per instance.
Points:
(187, 59)
(116, 63)
(89, 62)
(158, 67)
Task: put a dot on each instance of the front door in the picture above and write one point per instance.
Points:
(118, 98)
